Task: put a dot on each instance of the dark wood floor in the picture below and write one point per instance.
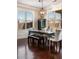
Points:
(24, 51)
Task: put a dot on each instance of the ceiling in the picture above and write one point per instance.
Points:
(37, 4)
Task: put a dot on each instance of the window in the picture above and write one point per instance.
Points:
(25, 15)
(26, 18)
(51, 15)
(21, 16)
(54, 20)
(29, 16)
(58, 16)
(54, 16)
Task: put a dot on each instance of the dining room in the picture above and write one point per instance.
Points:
(39, 29)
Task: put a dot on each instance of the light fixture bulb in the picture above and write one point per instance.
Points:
(42, 12)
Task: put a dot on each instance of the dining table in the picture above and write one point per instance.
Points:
(42, 32)
(49, 35)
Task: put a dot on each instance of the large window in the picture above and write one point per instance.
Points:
(25, 18)
(54, 20)
(54, 16)
(25, 15)
(21, 15)
(29, 16)
(51, 15)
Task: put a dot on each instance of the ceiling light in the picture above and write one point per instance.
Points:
(42, 11)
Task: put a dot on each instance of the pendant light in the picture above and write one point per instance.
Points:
(42, 11)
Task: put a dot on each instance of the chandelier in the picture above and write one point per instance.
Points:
(42, 11)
